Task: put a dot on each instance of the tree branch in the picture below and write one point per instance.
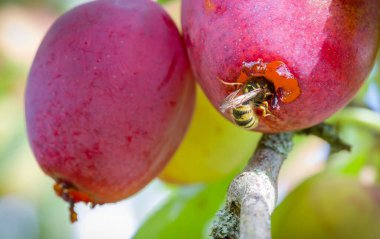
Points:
(252, 195)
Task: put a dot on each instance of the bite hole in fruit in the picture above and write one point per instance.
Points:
(257, 90)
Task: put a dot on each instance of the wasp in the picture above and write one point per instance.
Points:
(259, 83)
(253, 95)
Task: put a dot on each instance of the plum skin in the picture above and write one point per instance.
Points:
(109, 97)
(329, 46)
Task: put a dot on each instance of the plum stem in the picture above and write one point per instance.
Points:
(252, 195)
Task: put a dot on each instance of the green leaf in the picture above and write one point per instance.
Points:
(9, 77)
(165, 1)
(187, 214)
(376, 73)
(46, 3)
(358, 116)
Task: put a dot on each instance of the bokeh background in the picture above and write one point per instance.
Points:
(29, 208)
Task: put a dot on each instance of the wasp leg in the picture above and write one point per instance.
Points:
(268, 94)
(265, 108)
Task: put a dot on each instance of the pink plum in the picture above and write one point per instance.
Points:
(109, 98)
(328, 46)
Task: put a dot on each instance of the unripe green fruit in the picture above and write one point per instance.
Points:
(329, 206)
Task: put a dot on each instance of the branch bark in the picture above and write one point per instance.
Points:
(252, 195)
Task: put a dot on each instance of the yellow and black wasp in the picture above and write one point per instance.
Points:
(243, 103)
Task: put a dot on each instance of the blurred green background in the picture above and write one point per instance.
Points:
(29, 208)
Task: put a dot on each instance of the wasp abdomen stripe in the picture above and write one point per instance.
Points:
(244, 116)
(246, 124)
(238, 112)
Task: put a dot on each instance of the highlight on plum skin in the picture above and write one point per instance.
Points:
(328, 46)
(109, 98)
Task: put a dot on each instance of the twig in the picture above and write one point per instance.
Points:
(252, 195)
(328, 133)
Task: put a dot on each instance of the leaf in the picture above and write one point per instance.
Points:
(365, 118)
(187, 214)
(165, 1)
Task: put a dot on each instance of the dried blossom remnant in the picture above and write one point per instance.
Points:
(72, 195)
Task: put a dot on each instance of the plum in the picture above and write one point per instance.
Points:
(312, 55)
(109, 98)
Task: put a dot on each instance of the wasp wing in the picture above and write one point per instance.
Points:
(228, 101)
(233, 100)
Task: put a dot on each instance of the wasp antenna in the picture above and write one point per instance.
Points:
(229, 83)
